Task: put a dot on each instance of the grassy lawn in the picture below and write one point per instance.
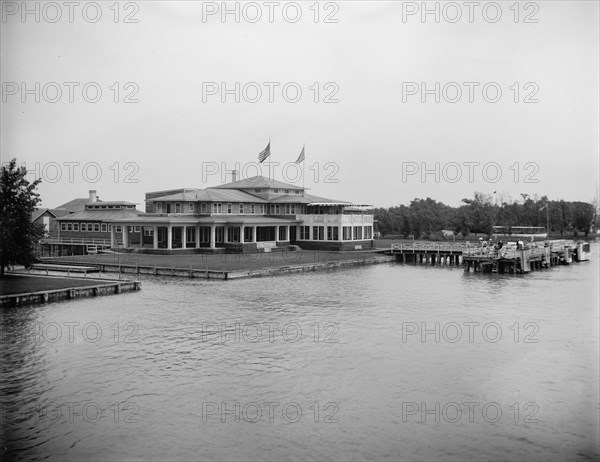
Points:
(219, 262)
(12, 284)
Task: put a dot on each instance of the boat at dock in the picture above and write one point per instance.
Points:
(526, 233)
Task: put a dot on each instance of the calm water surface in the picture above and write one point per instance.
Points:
(181, 371)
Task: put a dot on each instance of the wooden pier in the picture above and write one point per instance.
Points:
(509, 259)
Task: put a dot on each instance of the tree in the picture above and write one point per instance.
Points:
(583, 217)
(18, 199)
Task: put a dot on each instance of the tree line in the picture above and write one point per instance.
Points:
(426, 218)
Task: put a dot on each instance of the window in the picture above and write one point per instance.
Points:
(136, 229)
(241, 208)
(297, 191)
(63, 226)
(233, 234)
(69, 226)
(276, 191)
(119, 229)
(333, 233)
(287, 191)
(203, 208)
(191, 207)
(318, 233)
(258, 191)
(148, 231)
(304, 232)
(217, 207)
(282, 233)
(229, 208)
(190, 235)
(263, 209)
(158, 207)
(168, 207)
(293, 209)
(357, 233)
(368, 232)
(110, 228)
(103, 227)
(177, 207)
(287, 209)
(97, 227)
(219, 233)
(347, 233)
(252, 209)
(276, 209)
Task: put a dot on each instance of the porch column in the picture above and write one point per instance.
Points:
(212, 236)
(112, 236)
(254, 233)
(155, 237)
(169, 238)
(197, 237)
(242, 231)
(184, 237)
(341, 233)
(287, 233)
(125, 234)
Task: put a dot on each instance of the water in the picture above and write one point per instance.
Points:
(173, 380)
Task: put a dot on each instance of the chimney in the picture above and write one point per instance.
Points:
(234, 175)
(93, 197)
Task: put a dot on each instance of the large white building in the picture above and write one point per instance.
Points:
(244, 216)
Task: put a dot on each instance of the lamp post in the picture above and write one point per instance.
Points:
(547, 207)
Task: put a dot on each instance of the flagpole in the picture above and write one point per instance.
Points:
(303, 163)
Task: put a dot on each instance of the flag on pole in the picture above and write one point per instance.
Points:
(264, 154)
(301, 156)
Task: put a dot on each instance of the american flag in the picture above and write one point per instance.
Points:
(300, 157)
(264, 154)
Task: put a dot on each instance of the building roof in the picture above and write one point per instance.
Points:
(110, 203)
(307, 199)
(195, 220)
(54, 212)
(101, 215)
(76, 205)
(210, 195)
(258, 181)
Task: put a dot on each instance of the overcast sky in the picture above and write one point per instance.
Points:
(362, 57)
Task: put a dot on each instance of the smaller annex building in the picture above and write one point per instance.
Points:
(249, 215)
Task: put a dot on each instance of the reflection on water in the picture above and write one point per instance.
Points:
(380, 362)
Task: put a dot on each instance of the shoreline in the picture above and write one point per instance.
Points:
(65, 291)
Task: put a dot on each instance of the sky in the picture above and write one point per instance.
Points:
(390, 102)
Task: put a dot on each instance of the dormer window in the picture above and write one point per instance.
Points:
(258, 191)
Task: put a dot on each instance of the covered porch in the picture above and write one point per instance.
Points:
(173, 233)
